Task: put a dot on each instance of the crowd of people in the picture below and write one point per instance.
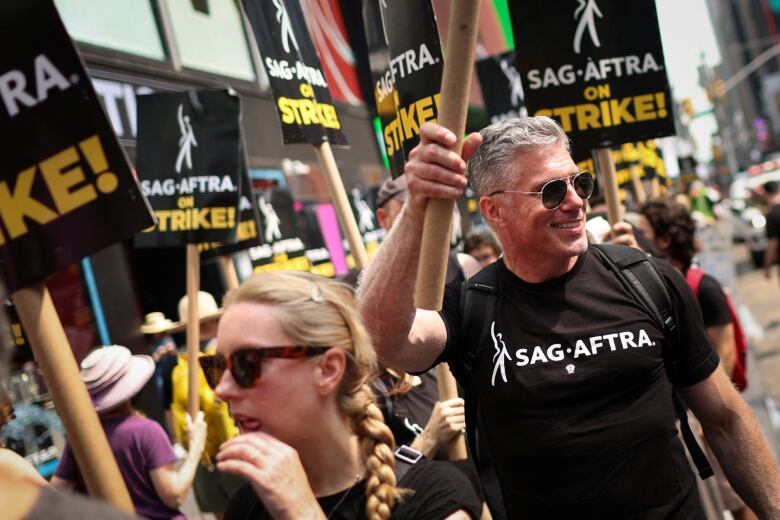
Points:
(319, 398)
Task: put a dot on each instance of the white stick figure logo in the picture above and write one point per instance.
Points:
(587, 12)
(500, 356)
(365, 215)
(284, 21)
(515, 83)
(271, 220)
(186, 141)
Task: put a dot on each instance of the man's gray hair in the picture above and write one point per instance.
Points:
(491, 166)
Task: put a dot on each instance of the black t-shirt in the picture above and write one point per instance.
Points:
(773, 222)
(574, 396)
(437, 491)
(712, 300)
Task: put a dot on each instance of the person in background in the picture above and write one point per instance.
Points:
(671, 228)
(482, 246)
(9, 459)
(162, 348)
(294, 361)
(772, 194)
(212, 487)
(142, 450)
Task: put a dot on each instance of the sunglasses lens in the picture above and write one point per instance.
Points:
(583, 185)
(554, 192)
(213, 368)
(246, 368)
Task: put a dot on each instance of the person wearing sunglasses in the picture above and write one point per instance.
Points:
(568, 371)
(294, 362)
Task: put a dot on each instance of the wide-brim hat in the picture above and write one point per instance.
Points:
(155, 323)
(208, 310)
(113, 375)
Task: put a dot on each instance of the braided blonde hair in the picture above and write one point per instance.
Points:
(318, 311)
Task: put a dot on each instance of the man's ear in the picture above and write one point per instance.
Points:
(663, 243)
(382, 218)
(329, 370)
(491, 211)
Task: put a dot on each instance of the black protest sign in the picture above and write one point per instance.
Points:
(370, 231)
(66, 187)
(501, 87)
(283, 248)
(597, 66)
(248, 232)
(299, 87)
(406, 67)
(15, 334)
(190, 167)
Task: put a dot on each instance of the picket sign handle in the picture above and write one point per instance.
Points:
(608, 179)
(339, 198)
(455, 84)
(61, 372)
(639, 189)
(193, 330)
(655, 187)
(456, 449)
(229, 272)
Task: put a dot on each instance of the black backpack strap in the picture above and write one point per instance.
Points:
(478, 302)
(643, 281)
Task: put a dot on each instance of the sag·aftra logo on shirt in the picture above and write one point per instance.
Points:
(585, 347)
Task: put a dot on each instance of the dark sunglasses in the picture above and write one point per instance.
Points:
(554, 192)
(246, 365)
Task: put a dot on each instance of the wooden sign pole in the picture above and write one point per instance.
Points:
(456, 80)
(655, 187)
(229, 272)
(339, 197)
(608, 179)
(639, 189)
(61, 372)
(193, 329)
(455, 84)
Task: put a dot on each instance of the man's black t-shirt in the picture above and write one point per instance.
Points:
(437, 490)
(575, 399)
(773, 223)
(712, 300)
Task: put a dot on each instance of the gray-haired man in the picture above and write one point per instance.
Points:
(573, 393)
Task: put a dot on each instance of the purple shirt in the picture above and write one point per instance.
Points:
(139, 445)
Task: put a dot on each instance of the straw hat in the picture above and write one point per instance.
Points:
(155, 322)
(113, 375)
(207, 311)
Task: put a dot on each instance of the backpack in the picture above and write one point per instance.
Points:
(479, 295)
(739, 375)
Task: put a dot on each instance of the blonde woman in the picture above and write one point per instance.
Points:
(293, 361)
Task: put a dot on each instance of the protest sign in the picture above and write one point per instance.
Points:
(502, 88)
(406, 67)
(66, 192)
(247, 234)
(300, 88)
(283, 248)
(189, 163)
(597, 66)
(66, 188)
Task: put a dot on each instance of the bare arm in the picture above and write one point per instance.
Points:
(734, 435)
(405, 337)
(722, 338)
(171, 484)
